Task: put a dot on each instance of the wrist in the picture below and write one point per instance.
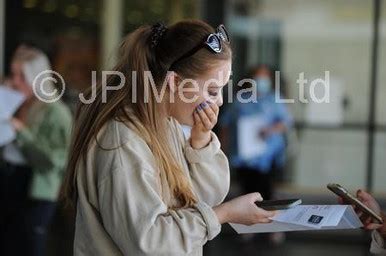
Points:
(222, 213)
(201, 142)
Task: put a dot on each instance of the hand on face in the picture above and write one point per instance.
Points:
(205, 118)
(17, 124)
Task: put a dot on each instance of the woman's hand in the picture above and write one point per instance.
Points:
(205, 118)
(370, 202)
(243, 210)
(17, 124)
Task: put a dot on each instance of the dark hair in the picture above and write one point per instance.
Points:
(179, 39)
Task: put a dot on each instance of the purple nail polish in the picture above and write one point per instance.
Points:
(204, 104)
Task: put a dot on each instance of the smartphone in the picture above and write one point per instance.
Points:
(346, 196)
(272, 205)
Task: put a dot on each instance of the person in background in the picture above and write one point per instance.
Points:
(257, 173)
(378, 244)
(33, 164)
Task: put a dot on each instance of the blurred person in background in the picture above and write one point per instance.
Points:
(139, 186)
(33, 164)
(257, 173)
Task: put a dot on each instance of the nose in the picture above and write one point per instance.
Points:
(219, 100)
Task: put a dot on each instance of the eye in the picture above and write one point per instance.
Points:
(213, 93)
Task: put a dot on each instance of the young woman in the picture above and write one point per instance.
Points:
(140, 188)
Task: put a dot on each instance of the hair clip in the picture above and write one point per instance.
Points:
(157, 31)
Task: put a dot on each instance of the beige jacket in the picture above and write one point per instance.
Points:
(121, 209)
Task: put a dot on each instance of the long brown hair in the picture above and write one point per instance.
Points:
(147, 119)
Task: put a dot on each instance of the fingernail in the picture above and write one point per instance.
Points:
(209, 102)
(204, 104)
(199, 107)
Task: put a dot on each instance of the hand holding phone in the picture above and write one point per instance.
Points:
(348, 198)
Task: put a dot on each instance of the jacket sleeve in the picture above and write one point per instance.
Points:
(47, 148)
(209, 171)
(133, 212)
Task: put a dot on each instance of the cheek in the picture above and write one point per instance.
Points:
(194, 99)
(185, 108)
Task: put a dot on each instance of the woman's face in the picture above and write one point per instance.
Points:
(18, 81)
(188, 95)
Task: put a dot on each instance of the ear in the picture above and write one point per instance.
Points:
(173, 80)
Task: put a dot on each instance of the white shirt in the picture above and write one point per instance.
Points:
(377, 244)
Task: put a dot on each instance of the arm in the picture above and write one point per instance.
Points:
(46, 148)
(378, 239)
(209, 170)
(379, 230)
(133, 213)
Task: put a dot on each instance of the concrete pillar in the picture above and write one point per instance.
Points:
(2, 36)
(111, 31)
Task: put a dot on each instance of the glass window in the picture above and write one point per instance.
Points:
(312, 37)
(380, 138)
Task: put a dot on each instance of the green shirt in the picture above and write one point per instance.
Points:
(44, 143)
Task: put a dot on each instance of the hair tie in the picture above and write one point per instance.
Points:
(157, 31)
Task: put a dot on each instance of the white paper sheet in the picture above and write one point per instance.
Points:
(7, 134)
(12, 154)
(10, 101)
(250, 144)
(306, 217)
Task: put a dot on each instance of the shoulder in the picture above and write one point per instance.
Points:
(57, 112)
(121, 147)
(51, 118)
(115, 133)
(269, 98)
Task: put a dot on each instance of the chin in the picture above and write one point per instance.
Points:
(185, 121)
